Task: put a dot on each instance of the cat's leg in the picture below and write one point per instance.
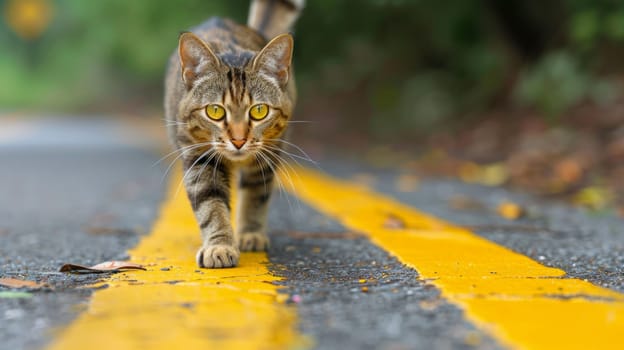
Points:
(255, 187)
(207, 185)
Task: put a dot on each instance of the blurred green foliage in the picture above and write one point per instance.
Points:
(558, 82)
(96, 52)
(421, 62)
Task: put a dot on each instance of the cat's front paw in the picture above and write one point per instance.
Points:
(253, 241)
(217, 256)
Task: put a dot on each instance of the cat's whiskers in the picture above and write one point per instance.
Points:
(292, 156)
(188, 170)
(286, 163)
(285, 166)
(183, 151)
(296, 147)
(280, 185)
(173, 122)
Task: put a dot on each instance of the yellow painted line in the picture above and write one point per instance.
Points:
(520, 302)
(183, 307)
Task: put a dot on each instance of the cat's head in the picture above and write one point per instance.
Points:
(237, 101)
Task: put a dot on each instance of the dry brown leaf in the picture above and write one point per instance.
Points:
(469, 172)
(102, 267)
(510, 211)
(394, 222)
(569, 170)
(461, 202)
(18, 283)
(407, 183)
(431, 304)
(364, 179)
(102, 230)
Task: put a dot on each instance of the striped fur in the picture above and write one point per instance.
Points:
(224, 63)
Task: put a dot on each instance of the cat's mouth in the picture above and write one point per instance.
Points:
(238, 155)
(246, 152)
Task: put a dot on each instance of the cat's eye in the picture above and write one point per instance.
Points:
(215, 112)
(259, 111)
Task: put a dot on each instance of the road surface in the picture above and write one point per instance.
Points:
(361, 258)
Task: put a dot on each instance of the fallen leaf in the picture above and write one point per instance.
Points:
(473, 339)
(109, 266)
(469, 172)
(593, 197)
(461, 202)
(18, 283)
(103, 230)
(394, 222)
(407, 183)
(494, 175)
(569, 170)
(364, 179)
(431, 304)
(510, 210)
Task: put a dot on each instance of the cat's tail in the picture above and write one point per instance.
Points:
(273, 17)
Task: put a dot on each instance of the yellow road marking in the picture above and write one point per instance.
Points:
(183, 307)
(518, 301)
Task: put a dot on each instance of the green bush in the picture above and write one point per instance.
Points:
(422, 62)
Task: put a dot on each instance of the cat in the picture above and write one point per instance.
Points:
(229, 93)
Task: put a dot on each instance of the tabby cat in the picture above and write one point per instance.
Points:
(229, 93)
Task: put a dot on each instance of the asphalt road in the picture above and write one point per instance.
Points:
(72, 192)
(86, 192)
(585, 245)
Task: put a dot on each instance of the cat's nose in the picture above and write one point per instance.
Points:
(238, 143)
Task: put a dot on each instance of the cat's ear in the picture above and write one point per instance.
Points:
(274, 59)
(196, 58)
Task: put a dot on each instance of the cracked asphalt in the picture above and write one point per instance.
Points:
(87, 199)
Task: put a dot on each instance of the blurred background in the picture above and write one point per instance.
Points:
(525, 93)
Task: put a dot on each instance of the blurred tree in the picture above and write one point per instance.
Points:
(390, 65)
